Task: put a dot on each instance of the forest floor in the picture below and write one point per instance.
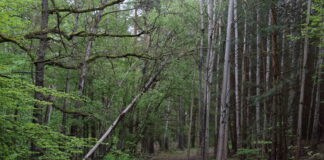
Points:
(317, 154)
(180, 155)
(177, 155)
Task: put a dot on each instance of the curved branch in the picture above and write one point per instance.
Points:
(8, 39)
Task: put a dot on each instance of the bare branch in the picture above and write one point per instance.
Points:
(52, 62)
(72, 10)
(78, 113)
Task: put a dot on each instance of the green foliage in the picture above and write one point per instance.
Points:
(16, 130)
(13, 15)
(119, 155)
(249, 154)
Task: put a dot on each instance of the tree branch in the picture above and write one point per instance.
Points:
(72, 10)
(78, 113)
(51, 62)
(8, 39)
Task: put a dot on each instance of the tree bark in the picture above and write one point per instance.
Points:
(237, 94)
(210, 59)
(65, 103)
(223, 127)
(315, 136)
(200, 87)
(40, 72)
(258, 65)
(302, 86)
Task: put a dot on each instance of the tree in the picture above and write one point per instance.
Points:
(223, 127)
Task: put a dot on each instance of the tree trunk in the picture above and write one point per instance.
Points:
(258, 66)
(108, 132)
(302, 87)
(191, 115)
(65, 103)
(166, 126)
(267, 86)
(243, 82)
(237, 94)
(40, 72)
(181, 123)
(210, 59)
(315, 136)
(223, 127)
(83, 71)
(201, 61)
(49, 108)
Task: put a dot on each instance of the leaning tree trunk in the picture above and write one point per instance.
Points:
(302, 87)
(120, 117)
(223, 127)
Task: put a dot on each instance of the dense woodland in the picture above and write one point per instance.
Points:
(134, 79)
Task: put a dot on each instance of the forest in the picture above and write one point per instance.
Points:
(161, 79)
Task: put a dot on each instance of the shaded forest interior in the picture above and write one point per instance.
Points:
(161, 79)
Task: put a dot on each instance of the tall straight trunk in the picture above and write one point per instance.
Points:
(40, 65)
(315, 136)
(293, 74)
(210, 59)
(223, 127)
(310, 112)
(191, 115)
(267, 83)
(236, 65)
(166, 127)
(243, 80)
(65, 103)
(200, 89)
(181, 138)
(302, 86)
(218, 57)
(49, 108)
(40, 71)
(258, 65)
(276, 76)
